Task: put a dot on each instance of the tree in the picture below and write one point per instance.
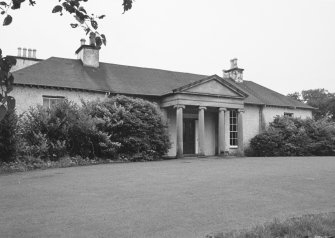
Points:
(321, 99)
(295, 95)
(89, 23)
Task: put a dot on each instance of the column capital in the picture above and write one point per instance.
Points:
(222, 109)
(241, 110)
(202, 108)
(179, 106)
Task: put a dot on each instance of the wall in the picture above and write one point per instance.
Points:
(250, 123)
(271, 112)
(171, 119)
(211, 120)
(31, 96)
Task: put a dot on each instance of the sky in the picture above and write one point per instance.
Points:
(285, 45)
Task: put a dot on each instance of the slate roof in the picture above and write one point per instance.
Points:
(114, 78)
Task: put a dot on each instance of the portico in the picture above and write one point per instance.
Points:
(207, 117)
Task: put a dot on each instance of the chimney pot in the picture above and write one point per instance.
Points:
(24, 52)
(233, 63)
(82, 41)
(19, 51)
(29, 53)
(34, 53)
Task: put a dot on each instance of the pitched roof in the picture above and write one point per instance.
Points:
(70, 73)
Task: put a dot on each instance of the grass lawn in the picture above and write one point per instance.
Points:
(314, 225)
(189, 197)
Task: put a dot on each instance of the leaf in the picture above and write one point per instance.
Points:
(103, 37)
(11, 103)
(32, 3)
(98, 41)
(87, 30)
(3, 3)
(3, 112)
(101, 17)
(94, 24)
(8, 20)
(82, 9)
(57, 8)
(73, 25)
(3, 12)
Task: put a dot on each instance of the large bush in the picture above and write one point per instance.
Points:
(136, 124)
(60, 130)
(132, 128)
(8, 138)
(295, 137)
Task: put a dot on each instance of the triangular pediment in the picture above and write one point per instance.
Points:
(211, 86)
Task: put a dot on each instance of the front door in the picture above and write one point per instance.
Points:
(189, 136)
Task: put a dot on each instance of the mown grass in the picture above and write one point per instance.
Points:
(314, 225)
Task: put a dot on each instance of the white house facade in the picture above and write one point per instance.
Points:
(207, 115)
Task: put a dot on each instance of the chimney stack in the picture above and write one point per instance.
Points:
(24, 54)
(88, 54)
(34, 53)
(233, 63)
(234, 73)
(29, 53)
(19, 51)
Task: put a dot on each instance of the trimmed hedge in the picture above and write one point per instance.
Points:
(295, 137)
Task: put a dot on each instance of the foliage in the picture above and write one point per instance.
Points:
(136, 124)
(8, 137)
(7, 103)
(60, 130)
(313, 225)
(321, 99)
(295, 137)
(89, 22)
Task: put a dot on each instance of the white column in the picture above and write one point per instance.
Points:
(179, 125)
(240, 131)
(222, 131)
(227, 132)
(201, 118)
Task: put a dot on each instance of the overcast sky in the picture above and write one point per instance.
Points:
(285, 45)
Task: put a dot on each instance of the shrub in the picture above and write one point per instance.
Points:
(8, 138)
(295, 137)
(136, 124)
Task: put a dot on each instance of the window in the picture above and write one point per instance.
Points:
(49, 101)
(233, 128)
(288, 114)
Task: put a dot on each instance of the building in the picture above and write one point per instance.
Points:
(207, 115)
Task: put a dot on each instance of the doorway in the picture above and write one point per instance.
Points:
(189, 136)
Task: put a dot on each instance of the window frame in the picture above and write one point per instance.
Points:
(56, 100)
(233, 128)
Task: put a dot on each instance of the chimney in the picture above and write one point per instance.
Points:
(233, 63)
(19, 51)
(88, 54)
(235, 73)
(24, 54)
(34, 53)
(29, 53)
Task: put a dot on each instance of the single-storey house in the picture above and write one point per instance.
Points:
(207, 115)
